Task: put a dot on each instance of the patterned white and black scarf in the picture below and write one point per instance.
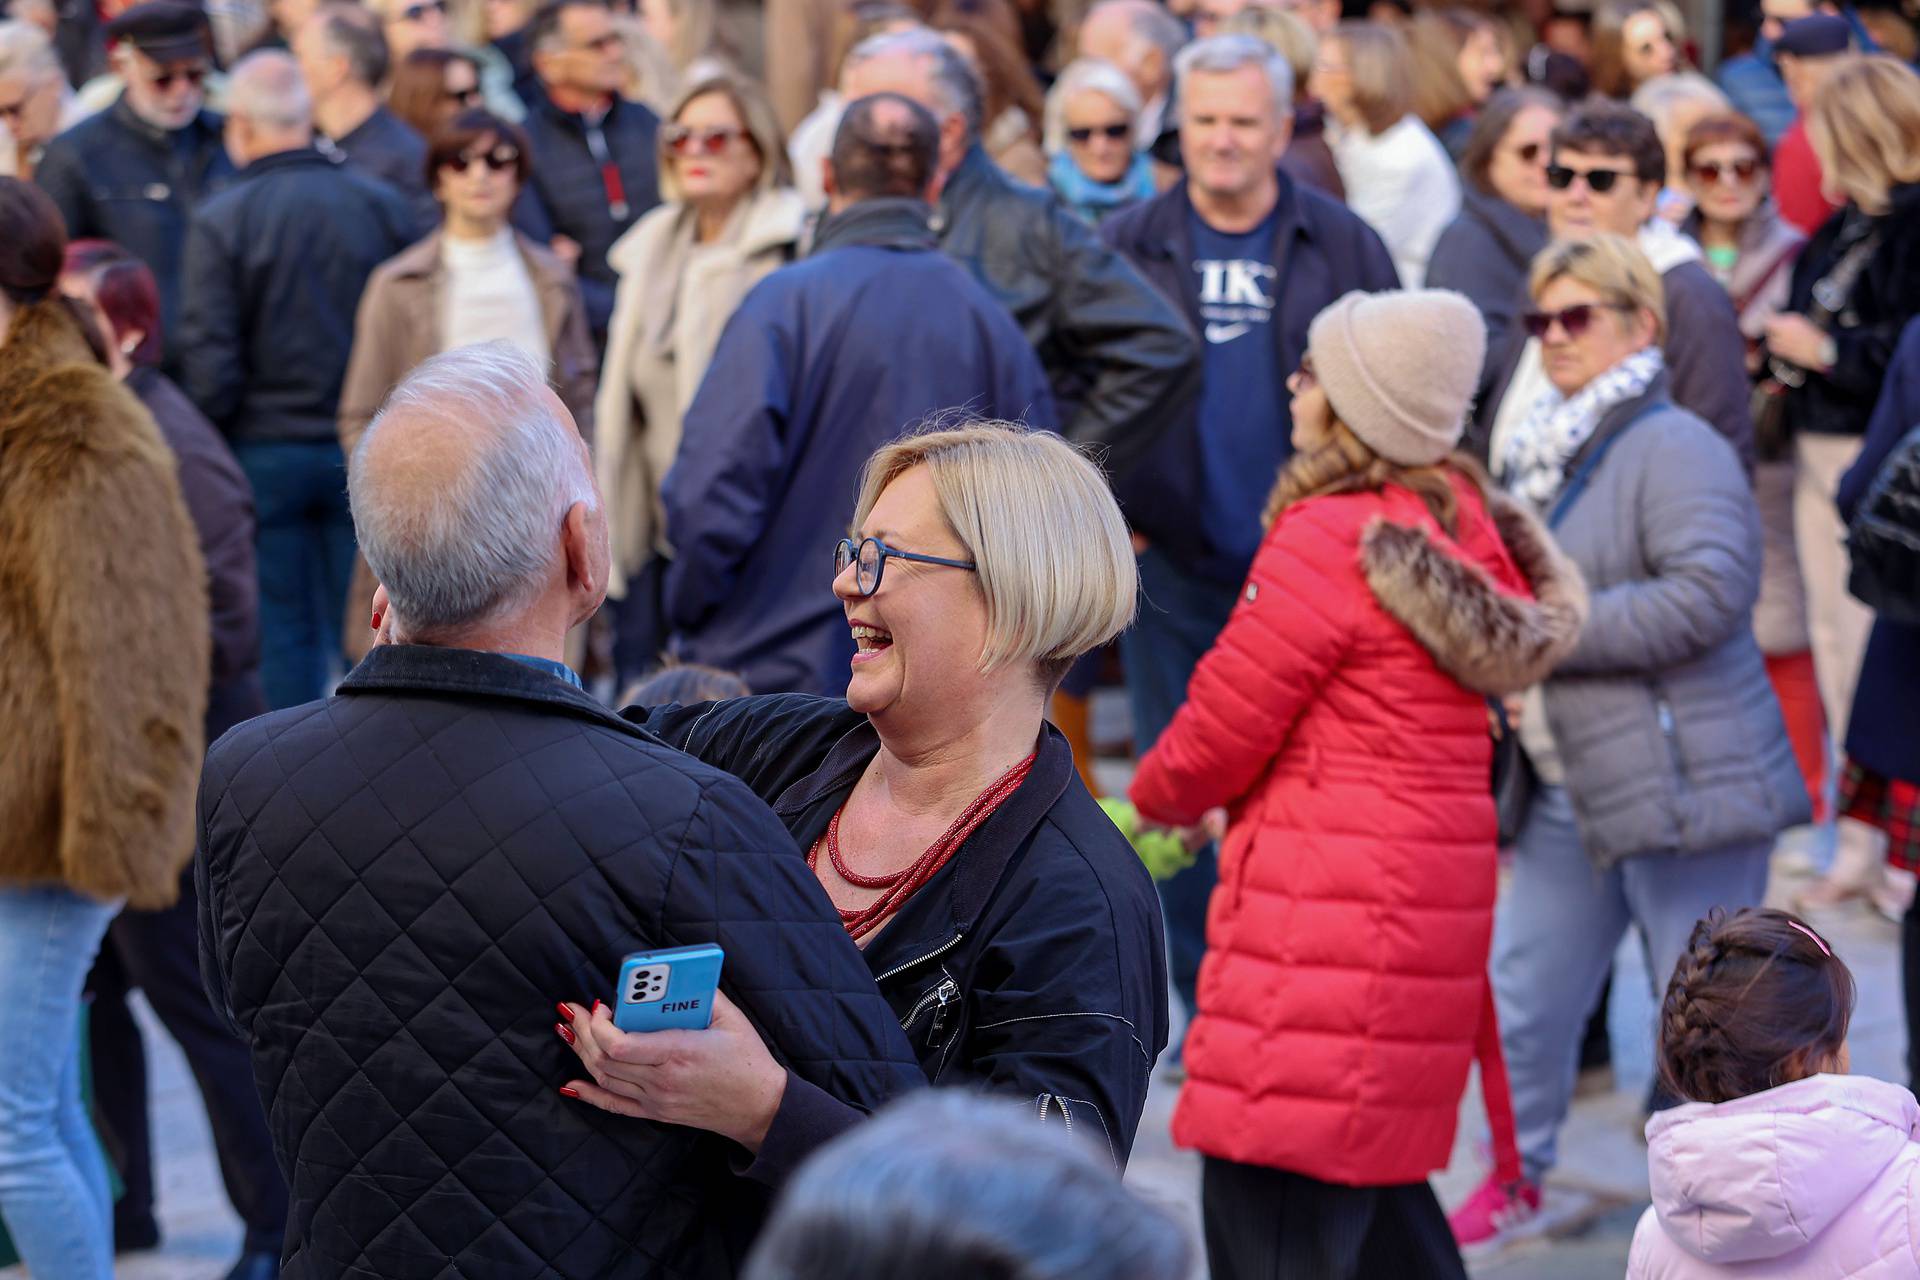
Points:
(1533, 465)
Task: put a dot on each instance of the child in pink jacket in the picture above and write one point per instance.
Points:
(1780, 1164)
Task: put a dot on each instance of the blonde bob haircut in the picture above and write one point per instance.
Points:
(1863, 125)
(756, 116)
(1613, 267)
(1055, 564)
(1380, 64)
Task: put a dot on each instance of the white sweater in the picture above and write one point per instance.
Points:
(1402, 183)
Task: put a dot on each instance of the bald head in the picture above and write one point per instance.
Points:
(1138, 36)
(474, 503)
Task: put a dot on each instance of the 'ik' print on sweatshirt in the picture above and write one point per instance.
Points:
(1236, 296)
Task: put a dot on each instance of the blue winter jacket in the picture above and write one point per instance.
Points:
(825, 361)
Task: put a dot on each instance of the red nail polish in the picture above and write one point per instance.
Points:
(596, 1006)
(568, 1093)
(566, 1014)
(566, 1032)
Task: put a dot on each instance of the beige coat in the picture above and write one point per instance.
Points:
(645, 392)
(104, 648)
(398, 326)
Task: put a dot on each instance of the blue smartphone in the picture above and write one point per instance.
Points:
(668, 990)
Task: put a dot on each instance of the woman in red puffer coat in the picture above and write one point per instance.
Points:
(1342, 719)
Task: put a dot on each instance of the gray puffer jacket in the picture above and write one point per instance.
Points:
(1670, 735)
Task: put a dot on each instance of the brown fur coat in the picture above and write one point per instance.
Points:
(103, 627)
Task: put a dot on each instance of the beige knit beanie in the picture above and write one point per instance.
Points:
(1400, 368)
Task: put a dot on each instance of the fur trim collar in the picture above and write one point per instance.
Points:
(1489, 640)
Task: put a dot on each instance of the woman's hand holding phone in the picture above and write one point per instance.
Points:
(721, 1080)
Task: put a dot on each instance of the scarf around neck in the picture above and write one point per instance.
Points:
(1095, 199)
(1533, 465)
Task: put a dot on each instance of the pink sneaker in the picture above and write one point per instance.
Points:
(1493, 1215)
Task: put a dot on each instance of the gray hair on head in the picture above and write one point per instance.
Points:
(947, 1184)
(1219, 55)
(1085, 75)
(953, 80)
(267, 89)
(25, 51)
(460, 487)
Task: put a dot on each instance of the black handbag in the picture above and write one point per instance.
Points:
(1884, 539)
(1513, 779)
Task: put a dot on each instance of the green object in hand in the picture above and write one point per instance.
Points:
(1160, 851)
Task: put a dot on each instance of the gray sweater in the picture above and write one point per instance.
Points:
(1670, 735)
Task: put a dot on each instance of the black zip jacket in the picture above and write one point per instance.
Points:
(1032, 964)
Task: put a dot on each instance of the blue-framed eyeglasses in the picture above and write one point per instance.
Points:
(869, 557)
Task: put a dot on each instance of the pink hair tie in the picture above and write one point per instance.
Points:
(1817, 940)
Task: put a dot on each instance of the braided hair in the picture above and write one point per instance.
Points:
(1757, 1001)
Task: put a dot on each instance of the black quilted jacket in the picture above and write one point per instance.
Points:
(397, 883)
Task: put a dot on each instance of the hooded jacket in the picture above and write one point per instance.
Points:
(1341, 718)
(103, 627)
(1815, 1179)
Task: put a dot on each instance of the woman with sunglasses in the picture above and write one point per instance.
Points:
(1094, 166)
(1342, 718)
(1633, 43)
(1661, 772)
(475, 279)
(1485, 252)
(729, 217)
(1751, 249)
(432, 86)
(1004, 917)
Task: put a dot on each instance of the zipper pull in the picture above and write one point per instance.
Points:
(944, 996)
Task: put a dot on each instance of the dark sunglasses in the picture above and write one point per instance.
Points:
(1711, 173)
(870, 556)
(602, 43)
(1111, 132)
(465, 97)
(415, 12)
(1575, 320)
(194, 76)
(495, 158)
(1527, 153)
(710, 141)
(1599, 181)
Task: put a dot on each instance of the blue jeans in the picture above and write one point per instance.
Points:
(1180, 617)
(305, 545)
(53, 1178)
(1554, 937)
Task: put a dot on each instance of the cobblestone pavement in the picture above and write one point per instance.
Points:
(1595, 1198)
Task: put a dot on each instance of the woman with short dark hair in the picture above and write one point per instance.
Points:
(475, 279)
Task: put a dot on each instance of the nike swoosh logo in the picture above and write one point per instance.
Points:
(1217, 333)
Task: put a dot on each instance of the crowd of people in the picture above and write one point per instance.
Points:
(1484, 446)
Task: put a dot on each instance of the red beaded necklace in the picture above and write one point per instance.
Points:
(901, 885)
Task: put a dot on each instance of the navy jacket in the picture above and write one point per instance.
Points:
(568, 193)
(397, 883)
(825, 361)
(275, 267)
(1322, 251)
(386, 147)
(1032, 964)
(118, 178)
(1886, 702)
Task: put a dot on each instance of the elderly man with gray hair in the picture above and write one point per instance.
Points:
(397, 882)
(1120, 360)
(273, 274)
